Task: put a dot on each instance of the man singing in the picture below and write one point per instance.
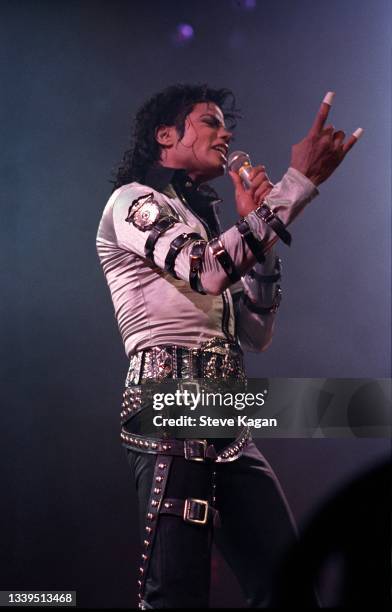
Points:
(188, 300)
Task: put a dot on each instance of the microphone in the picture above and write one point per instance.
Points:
(239, 162)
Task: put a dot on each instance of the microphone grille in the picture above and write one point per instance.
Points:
(237, 159)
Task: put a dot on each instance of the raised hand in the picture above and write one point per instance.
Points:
(319, 154)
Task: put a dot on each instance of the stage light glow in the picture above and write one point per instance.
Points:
(184, 33)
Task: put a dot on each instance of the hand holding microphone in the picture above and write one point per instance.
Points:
(251, 184)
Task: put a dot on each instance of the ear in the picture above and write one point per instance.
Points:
(166, 135)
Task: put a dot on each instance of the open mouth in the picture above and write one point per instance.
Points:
(223, 149)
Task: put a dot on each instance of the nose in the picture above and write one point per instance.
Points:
(226, 135)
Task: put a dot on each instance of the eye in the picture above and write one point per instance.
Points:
(212, 121)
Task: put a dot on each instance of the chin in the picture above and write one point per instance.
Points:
(208, 173)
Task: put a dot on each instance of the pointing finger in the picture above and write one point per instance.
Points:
(322, 114)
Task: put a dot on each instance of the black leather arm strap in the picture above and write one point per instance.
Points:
(262, 309)
(269, 217)
(196, 261)
(175, 247)
(219, 251)
(268, 278)
(159, 228)
(255, 245)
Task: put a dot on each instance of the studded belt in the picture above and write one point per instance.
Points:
(192, 450)
(216, 359)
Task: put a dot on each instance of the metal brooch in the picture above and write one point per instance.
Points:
(144, 212)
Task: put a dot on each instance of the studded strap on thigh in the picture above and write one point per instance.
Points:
(159, 482)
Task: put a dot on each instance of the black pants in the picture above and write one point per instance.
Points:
(256, 531)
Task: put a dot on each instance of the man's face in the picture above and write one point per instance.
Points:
(202, 150)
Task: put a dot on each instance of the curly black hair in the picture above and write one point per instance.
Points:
(168, 107)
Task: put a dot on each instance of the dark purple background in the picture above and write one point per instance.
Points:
(72, 75)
